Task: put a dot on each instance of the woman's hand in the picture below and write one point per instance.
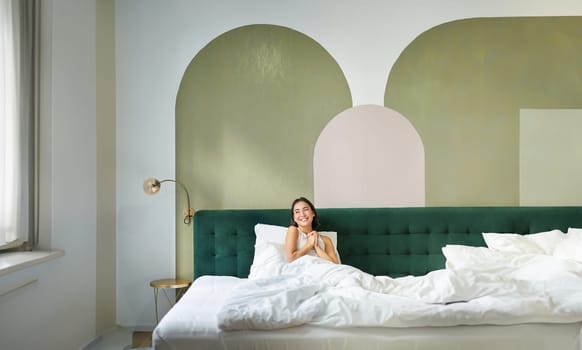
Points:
(292, 252)
(312, 238)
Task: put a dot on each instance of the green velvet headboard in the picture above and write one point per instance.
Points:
(381, 241)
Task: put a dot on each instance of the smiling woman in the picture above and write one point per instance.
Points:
(18, 40)
(302, 239)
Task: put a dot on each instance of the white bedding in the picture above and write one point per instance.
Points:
(479, 286)
(192, 324)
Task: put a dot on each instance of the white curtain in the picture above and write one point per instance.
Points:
(16, 122)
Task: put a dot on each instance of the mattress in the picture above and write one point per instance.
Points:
(192, 323)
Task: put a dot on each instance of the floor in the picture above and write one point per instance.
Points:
(122, 339)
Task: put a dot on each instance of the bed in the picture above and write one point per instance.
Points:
(396, 242)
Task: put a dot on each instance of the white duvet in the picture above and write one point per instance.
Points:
(479, 286)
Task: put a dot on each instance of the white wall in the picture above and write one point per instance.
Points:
(58, 312)
(157, 39)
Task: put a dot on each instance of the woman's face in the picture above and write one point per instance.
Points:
(302, 214)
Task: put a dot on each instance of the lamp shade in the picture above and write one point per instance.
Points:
(151, 186)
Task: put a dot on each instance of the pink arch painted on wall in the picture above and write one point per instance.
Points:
(369, 156)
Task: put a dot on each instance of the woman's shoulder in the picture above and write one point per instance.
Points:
(326, 239)
(292, 233)
(292, 229)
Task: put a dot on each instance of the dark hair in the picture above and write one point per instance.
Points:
(315, 222)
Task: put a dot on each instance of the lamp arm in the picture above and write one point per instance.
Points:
(188, 217)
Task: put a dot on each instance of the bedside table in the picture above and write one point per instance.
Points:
(180, 285)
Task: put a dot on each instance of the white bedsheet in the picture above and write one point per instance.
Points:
(192, 324)
(515, 289)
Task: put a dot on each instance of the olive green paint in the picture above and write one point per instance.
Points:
(462, 85)
(249, 110)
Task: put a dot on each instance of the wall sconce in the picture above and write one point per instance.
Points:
(152, 186)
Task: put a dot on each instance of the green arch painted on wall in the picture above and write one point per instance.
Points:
(462, 85)
(249, 109)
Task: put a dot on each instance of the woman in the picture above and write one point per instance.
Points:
(301, 237)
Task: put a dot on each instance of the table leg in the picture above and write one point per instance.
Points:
(180, 292)
(156, 303)
(167, 297)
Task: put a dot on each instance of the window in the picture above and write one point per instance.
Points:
(18, 121)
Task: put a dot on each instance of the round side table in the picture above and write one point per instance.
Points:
(180, 285)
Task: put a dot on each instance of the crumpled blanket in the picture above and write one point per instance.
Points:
(519, 289)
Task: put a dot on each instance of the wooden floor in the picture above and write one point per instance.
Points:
(141, 340)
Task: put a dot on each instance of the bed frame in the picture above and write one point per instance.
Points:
(381, 241)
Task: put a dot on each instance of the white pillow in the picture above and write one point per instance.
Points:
(571, 246)
(462, 257)
(536, 243)
(548, 240)
(531, 267)
(268, 261)
(277, 234)
(270, 241)
(270, 233)
(574, 231)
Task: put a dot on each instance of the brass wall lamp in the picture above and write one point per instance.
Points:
(152, 186)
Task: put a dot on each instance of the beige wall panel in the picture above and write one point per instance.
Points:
(550, 162)
(369, 156)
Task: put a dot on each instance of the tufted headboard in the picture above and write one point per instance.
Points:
(381, 241)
